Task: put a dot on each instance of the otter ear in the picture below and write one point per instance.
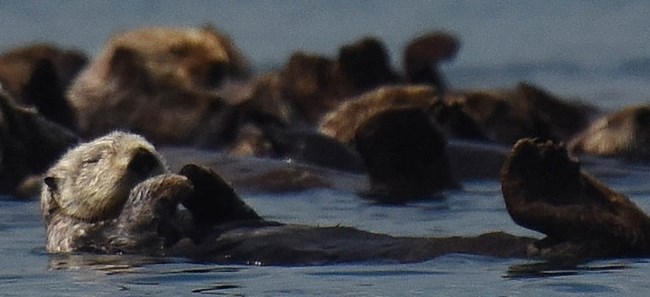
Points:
(127, 65)
(52, 183)
(210, 28)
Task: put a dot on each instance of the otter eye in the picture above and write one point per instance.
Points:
(91, 160)
(180, 50)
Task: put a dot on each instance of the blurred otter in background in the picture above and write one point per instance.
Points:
(38, 76)
(395, 131)
(310, 85)
(160, 82)
(624, 134)
(405, 153)
(506, 116)
(29, 144)
(423, 54)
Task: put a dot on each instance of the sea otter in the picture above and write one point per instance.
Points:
(115, 195)
(38, 75)
(310, 85)
(398, 132)
(343, 122)
(137, 209)
(29, 144)
(546, 191)
(162, 83)
(506, 116)
(624, 134)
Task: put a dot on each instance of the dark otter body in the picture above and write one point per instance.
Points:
(38, 75)
(273, 244)
(405, 154)
(543, 190)
(29, 144)
(312, 147)
(133, 209)
(506, 116)
(423, 54)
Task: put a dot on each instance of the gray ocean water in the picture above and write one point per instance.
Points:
(596, 51)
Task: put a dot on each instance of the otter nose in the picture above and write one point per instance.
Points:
(215, 74)
(144, 162)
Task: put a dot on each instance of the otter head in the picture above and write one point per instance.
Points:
(202, 58)
(92, 181)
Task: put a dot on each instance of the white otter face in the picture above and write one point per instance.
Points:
(92, 181)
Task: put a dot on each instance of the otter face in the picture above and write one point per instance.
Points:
(92, 181)
(196, 56)
(158, 82)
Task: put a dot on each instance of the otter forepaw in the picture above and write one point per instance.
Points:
(213, 199)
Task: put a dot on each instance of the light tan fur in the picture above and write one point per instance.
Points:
(156, 81)
(93, 180)
(623, 133)
(343, 122)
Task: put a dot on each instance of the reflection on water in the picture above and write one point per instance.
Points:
(109, 264)
(560, 268)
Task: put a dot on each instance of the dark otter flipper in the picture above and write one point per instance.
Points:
(213, 200)
(404, 152)
(545, 191)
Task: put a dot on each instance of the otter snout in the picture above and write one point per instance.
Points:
(145, 163)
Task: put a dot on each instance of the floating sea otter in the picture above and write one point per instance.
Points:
(506, 116)
(29, 144)
(398, 131)
(38, 75)
(310, 85)
(160, 82)
(114, 195)
(405, 154)
(624, 134)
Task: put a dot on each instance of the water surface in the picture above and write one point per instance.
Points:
(27, 270)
